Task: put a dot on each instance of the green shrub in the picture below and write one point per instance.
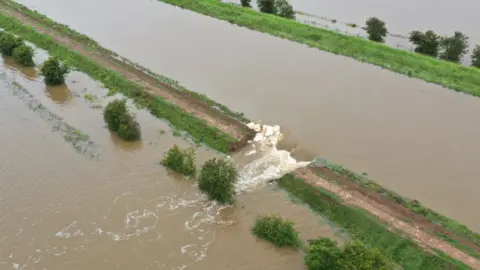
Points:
(119, 120)
(284, 9)
(357, 256)
(376, 29)
(276, 230)
(217, 180)
(182, 161)
(8, 43)
(23, 54)
(54, 72)
(323, 254)
(476, 57)
(266, 6)
(245, 3)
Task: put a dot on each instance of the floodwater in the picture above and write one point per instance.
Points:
(119, 209)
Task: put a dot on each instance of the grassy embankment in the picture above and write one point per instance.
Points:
(364, 227)
(454, 76)
(159, 107)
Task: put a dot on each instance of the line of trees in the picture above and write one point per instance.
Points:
(449, 48)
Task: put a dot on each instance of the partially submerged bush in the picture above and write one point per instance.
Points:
(119, 120)
(376, 29)
(476, 57)
(276, 230)
(23, 54)
(53, 71)
(284, 9)
(217, 179)
(426, 43)
(266, 6)
(8, 43)
(245, 3)
(454, 48)
(182, 161)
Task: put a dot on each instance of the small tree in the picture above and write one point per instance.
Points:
(245, 3)
(217, 180)
(23, 54)
(426, 43)
(8, 43)
(276, 230)
(182, 161)
(266, 6)
(376, 29)
(357, 256)
(119, 120)
(284, 9)
(476, 56)
(54, 72)
(454, 48)
(323, 254)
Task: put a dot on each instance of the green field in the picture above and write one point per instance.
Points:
(460, 78)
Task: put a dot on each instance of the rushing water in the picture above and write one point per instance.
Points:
(416, 138)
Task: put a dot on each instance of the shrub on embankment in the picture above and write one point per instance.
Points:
(119, 120)
(278, 231)
(366, 228)
(217, 180)
(182, 161)
(53, 71)
(457, 77)
(199, 129)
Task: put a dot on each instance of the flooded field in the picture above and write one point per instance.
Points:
(117, 209)
(418, 139)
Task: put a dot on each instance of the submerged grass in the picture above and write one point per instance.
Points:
(159, 107)
(85, 40)
(276, 230)
(367, 228)
(454, 76)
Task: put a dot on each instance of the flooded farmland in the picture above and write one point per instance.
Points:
(416, 138)
(117, 209)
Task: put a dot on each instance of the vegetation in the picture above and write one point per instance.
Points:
(324, 254)
(182, 161)
(200, 131)
(376, 29)
(8, 43)
(23, 54)
(119, 120)
(454, 48)
(284, 9)
(276, 230)
(476, 57)
(54, 72)
(266, 6)
(217, 180)
(457, 77)
(425, 43)
(366, 228)
(246, 3)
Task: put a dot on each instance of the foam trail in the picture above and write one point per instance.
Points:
(271, 163)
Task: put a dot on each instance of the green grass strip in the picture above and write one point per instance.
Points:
(367, 228)
(197, 128)
(451, 75)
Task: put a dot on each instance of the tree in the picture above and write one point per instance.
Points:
(284, 9)
(245, 3)
(217, 180)
(267, 6)
(476, 56)
(426, 43)
(119, 120)
(8, 43)
(54, 72)
(357, 256)
(376, 29)
(182, 161)
(23, 54)
(323, 254)
(278, 231)
(454, 48)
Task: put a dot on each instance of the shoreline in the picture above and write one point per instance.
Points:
(188, 110)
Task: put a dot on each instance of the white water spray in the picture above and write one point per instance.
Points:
(271, 162)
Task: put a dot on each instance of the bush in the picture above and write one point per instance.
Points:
(276, 230)
(266, 6)
(23, 54)
(53, 71)
(245, 3)
(8, 43)
(454, 48)
(284, 9)
(217, 180)
(119, 120)
(426, 43)
(476, 56)
(182, 161)
(323, 254)
(357, 256)
(376, 29)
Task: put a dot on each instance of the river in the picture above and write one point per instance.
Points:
(416, 138)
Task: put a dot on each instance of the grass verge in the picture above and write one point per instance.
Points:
(200, 131)
(367, 228)
(450, 75)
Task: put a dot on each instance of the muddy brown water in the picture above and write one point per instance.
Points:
(60, 209)
(418, 139)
